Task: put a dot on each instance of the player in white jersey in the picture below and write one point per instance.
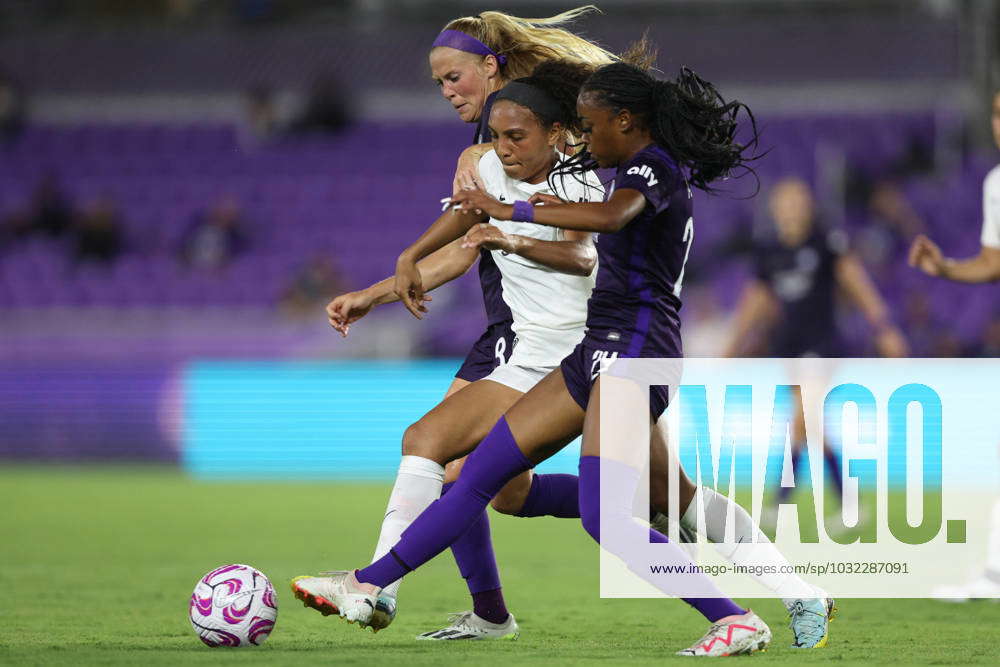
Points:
(984, 267)
(548, 305)
(546, 277)
(470, 61)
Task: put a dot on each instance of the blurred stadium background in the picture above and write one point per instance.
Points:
(184, 184)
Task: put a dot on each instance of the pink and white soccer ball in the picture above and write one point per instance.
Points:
(233, 605)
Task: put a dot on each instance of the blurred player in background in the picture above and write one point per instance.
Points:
(789, 308)
(984, 267)
(662, 136)
(471, 60)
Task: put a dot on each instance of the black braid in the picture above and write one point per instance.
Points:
(687, 117)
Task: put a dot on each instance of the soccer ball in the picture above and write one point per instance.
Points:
(233, 605)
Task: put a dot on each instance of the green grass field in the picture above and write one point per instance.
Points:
(97, 565)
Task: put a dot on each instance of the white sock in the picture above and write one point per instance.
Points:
(993, 541)
(743, 550)
(418, 484)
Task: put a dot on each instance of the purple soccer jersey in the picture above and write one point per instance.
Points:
(491, 350)
(803, 280)
(633, 311)
(636, 300)
(482, 135)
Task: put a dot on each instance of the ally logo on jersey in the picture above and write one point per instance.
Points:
(645, 171)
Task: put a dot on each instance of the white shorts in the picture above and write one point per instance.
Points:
(520, 378)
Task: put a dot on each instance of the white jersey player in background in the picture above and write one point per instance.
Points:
(983, 268)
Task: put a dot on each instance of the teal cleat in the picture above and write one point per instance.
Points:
(385, 612)
(811, 621)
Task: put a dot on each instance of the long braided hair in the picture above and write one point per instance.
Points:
(687, 117)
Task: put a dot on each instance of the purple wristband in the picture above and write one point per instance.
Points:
(523, 211)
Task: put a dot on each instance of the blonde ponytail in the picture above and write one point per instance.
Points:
(528, 42)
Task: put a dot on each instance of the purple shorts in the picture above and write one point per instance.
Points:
(583, 365)
(492, 349)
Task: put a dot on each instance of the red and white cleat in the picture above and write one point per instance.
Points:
(337, 593)
(732, 635)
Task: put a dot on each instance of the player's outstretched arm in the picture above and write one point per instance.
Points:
(574, 255)
(407, 283)
(440, 267)
(756, 309)
(602, 217)
(983, 268)
(854, 280)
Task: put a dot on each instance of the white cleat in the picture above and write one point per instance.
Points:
(981, 588)
(734, 635)
(466, 625)
(337, 593)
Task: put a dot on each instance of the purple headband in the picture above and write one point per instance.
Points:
(456, 39)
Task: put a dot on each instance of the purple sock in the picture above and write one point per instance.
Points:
(619, 529)
(489, 605)
(496, 461)
(833, 469)
(553, 495)
(473, 553)
(797, 453)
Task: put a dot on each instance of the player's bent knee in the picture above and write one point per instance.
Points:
(591, 523)
(659, 495)
(513, 495)
(419, 441)
(508, 503)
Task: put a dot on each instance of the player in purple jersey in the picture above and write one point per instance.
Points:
(662, 137)
(789, 306)
(471, 60)
(475, 56)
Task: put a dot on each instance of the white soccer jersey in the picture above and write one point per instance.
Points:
(549, 307)
(991, 209)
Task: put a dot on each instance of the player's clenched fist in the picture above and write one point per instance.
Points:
(478, 201)
(409, 287)
(491, 237)
(926, 256)
(348, 308)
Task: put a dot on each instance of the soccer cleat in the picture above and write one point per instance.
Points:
(810, 621)
(982, 588)
(339, 593)
(384, 614)
(740, 635)
(466, 625)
